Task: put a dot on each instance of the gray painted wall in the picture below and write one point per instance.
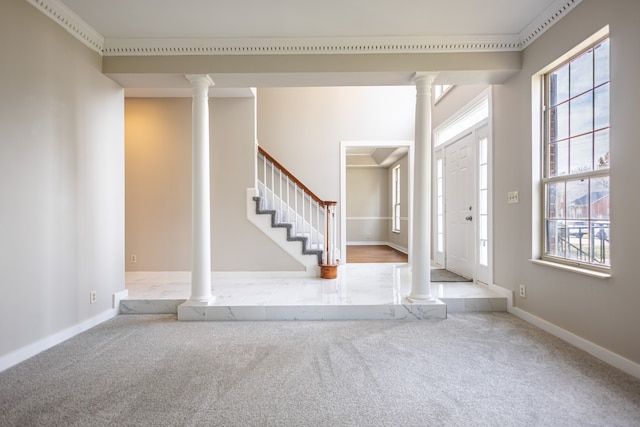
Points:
(602, 311)
(368, 208)
(158, 187)
(61, 178)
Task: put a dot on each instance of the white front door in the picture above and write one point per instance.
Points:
(459, 203)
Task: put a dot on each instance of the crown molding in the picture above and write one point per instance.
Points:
(71, 22)
(293, 46)
(546, 20)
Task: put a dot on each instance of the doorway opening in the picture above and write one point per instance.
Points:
(376, 183)
(462, 224)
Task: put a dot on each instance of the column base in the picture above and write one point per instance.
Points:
(428, 308)
(194, 310)
(421, 299)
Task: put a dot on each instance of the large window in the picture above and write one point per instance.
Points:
(577, 160)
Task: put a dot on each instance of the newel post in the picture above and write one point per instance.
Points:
(329, 268)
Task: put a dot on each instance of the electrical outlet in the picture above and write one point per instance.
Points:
(93, 297)
(134, 259)
(513, 197)
(523, 291)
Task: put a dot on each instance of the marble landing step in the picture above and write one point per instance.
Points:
(315, 312)
(436, 310)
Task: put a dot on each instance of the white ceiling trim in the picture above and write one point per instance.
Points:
(550, 16)
(71, 22)
(64, 16)
(292, 46)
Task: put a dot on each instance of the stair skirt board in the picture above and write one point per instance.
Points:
(289, 227)
(296, 246)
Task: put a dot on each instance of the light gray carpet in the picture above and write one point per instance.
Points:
(478, 369)
(442, 275)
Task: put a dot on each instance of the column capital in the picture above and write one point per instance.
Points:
(424, 78)
(200, 80)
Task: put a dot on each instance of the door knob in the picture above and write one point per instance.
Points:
(469, 218)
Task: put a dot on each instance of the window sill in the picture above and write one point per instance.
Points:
(579, 270)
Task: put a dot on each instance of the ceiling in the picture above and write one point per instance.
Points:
(299, 27)
(245, 27)
(382, 157)
(303, 18)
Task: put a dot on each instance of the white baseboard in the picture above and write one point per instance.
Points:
(28, 351)
(607, 356)
(366, 243)
(398, 248)
(117, 297)
(371, 242)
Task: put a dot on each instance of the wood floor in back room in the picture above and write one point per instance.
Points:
(374, 254)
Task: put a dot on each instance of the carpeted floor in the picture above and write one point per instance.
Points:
(472, 369)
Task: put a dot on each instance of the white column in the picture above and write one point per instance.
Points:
(201, 198)
(421, 235)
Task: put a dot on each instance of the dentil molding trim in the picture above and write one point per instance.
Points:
(64, 16)
(71, 22)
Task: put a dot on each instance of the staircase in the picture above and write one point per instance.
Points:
(308, 248)
(293, 217)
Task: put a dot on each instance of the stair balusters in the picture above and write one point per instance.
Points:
(309, 216)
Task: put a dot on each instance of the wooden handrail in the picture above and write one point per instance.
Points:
(292, 177)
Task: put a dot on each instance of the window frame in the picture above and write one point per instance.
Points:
(594, 173)
(439, 91)
(395, 199)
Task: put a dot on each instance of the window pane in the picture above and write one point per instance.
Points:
(601, 107)
(559, 81)
(600, 198)
(577, 199)
(482, 151)
(581, 74)
(555, 200)
(601, 236)
(581, 154)
(601, 149)
(483, 249)
(577, 234)
(581, 114)
(482, 202)
(601, 64)
(483, 229)
(556, 240)
(559, 122)
(558, 160)
(482, 175)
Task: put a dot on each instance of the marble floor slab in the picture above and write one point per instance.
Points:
(359, 291)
